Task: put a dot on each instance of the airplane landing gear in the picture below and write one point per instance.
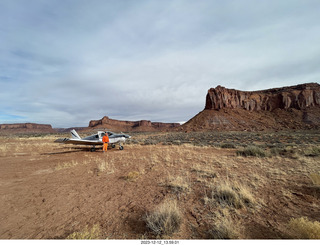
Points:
(93, 149)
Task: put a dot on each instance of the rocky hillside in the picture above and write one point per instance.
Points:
(294, 107)
(143, 125)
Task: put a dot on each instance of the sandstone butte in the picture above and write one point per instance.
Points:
(294, 107)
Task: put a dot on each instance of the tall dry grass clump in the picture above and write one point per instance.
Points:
(228, 194)
(165, 219)
(223, 227)
(303, 228)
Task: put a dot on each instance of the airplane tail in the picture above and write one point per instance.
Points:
(75, 135)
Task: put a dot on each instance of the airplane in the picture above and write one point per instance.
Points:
(95, 139)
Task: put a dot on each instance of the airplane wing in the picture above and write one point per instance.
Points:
(79, 141)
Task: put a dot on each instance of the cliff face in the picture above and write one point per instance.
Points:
(142, 125)
(294, 107)
(299, 97)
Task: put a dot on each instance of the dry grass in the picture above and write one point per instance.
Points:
(302, 228)
(66, 165)
(223, 227)
(204, 171)
(178, 184)
(86, 234)
(228, 194)
(132, 176)
(106, 166)
(165, 219)
(193, 170)
(315, 179)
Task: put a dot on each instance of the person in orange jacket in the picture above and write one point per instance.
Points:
(105, 140)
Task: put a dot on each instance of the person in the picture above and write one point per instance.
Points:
(105, 140)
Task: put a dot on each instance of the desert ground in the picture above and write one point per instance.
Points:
(205, 185)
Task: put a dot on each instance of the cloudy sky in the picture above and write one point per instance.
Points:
(65, 62)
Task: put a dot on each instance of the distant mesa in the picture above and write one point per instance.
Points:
(142, 125)
(294, 107)
(26, 128)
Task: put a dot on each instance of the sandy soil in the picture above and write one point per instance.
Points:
(50, 190)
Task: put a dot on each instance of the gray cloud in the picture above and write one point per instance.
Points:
(68, 62)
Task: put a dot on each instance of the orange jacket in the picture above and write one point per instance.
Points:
(105, 139)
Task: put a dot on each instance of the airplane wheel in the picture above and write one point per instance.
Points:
(121, 148)
(113, 146)
(92, 150)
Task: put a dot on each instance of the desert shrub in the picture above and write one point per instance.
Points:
(165, 219)
(228, 145)
(312, 151)
(252, 151)
(302, 228)
(86, 234)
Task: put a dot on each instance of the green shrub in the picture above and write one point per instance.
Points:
(312, 151)
(228, 145)
(252, 151)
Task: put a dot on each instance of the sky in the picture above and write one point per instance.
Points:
(66, 62)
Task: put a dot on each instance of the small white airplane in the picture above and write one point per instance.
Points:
(95, 139)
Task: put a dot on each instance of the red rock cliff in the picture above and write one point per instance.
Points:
(299, 97)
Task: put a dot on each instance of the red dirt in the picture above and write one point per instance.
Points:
(50, 190)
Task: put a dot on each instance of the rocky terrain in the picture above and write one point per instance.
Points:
(295, 107)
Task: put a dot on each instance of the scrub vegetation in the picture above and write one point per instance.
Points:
(157, 187)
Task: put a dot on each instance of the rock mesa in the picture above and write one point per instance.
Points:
(294, 107)
(298, 97)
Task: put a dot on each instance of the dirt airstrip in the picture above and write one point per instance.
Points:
(51, 191)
